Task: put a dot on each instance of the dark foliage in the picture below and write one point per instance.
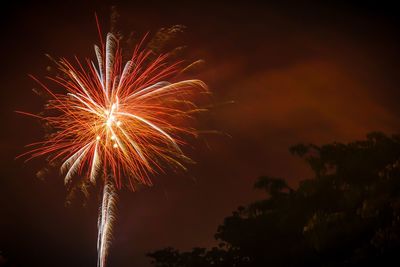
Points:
(347, 215)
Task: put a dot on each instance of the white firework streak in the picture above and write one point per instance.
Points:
(105, 222)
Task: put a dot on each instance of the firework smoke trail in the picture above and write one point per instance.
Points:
(126, 121)
(105, 222)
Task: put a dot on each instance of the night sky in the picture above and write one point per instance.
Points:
(296, 71)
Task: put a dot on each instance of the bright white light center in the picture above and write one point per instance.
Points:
(110, 117)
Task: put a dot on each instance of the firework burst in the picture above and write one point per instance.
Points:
(120, 118)
(124, 121)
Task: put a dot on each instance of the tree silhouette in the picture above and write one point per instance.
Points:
(348, 214)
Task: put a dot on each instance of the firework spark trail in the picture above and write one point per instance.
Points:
(119, 120)
(105, 222)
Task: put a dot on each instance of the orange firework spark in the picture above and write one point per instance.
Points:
(126, 119)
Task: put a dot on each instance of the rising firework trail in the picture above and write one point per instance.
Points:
(105, 222)
(124, 121)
